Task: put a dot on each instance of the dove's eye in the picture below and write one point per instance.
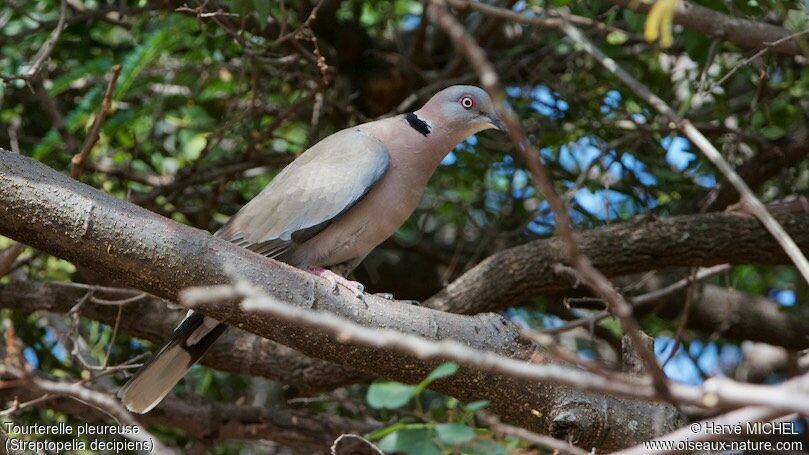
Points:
(467, 102)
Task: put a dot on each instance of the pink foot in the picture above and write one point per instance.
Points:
(334, 279)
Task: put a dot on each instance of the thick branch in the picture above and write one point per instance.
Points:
(742, 32)
(511, 276)
(743, 316)
(103, 402)
(205, 420)
(149, 317)
(783, 154)
(120, 241)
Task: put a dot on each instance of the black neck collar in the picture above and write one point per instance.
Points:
(418, 124)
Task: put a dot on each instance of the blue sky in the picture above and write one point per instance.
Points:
(606, 203)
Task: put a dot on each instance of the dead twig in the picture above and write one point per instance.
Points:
(717, 393)
(641, 300)
(689, 297)
(541, 440)
(8, 258)
(748, 198)
(45, 51)
(77, 162)
(466, 44)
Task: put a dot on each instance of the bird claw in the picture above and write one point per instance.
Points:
(334, 279)
(385, 295)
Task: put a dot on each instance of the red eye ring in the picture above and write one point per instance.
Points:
(467, 102)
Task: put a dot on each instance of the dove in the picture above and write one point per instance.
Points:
(327, 210)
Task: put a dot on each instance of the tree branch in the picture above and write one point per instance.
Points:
(768, 163)
(102, 402)
(742, 32)
(35, 67)
(463, 41)
(244, 298)
(510, 277)
(201, 419)
(77, 162)
(118, 240)
(742, 316)
(149, 317)
(748, 198)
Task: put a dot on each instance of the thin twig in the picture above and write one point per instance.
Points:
(77, 163)
(466, 44)
(45, 51)
(112, 337)
(758, 54)
(8, 256)
(701, 142)
(119, 302)
(717, 393)
(689, 297)
(541, 440)
(13, 139)
(641, 300)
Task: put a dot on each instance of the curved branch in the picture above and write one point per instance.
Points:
(202, 419)
(149, 317)
(743, 316)
(123, 242)
(512, 276)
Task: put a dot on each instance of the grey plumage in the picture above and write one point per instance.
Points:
(303, 202)
(329, 208)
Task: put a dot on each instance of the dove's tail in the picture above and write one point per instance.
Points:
(190, 340)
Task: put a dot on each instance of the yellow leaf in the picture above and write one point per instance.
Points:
(658, 22)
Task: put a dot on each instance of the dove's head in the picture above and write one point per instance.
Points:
(463, 108)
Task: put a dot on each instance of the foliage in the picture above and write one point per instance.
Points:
(423, 433)
(209, 108)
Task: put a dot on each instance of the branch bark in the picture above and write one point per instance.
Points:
(743, 316)
(742, 32)
(511, 276)
(768, 163)
(126, 243)
(204, 420)
(149, 318)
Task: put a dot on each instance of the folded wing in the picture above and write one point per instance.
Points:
(310, 193)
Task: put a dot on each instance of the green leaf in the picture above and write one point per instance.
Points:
(242, 7)
(483, 447)
(441, 371)
(454, 433)
(193, 146)
(92, 67)
(263, 10)
(617, 37)
(772, 132)
(389, 395)
(382, 432)
(476, 405)
(410, 442)
(633, 107)
(796, 20)
(635, 21)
